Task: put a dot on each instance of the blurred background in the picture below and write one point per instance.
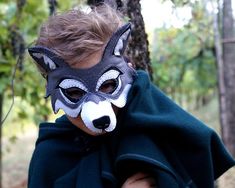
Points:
(187, 46)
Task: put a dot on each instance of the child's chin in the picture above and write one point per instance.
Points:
(93, 132)
(102, 133)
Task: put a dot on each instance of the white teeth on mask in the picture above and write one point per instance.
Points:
(92, 111)
(121, 100)
(69, 111)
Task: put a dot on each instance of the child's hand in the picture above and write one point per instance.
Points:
(140, 180)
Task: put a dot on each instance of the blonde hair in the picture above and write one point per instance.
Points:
(75, 35)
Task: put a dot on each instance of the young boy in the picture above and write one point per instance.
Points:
(119, 130)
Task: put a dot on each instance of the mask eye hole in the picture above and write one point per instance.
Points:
(74, 94)
(108, 86)
(72, 90)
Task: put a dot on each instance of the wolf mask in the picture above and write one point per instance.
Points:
(89, 92)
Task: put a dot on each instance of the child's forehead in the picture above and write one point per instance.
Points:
(89, 61)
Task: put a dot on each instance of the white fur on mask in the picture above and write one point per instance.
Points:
(92, 111)
(121, 100)
(70, 112)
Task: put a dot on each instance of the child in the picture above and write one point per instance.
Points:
(119, 130)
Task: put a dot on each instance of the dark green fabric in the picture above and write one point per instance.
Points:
(153, 134)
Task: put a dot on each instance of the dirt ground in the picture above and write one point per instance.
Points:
(16, 157)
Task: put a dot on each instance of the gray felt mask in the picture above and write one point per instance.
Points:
(92, 91)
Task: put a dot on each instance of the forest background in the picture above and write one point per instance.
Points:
(184, 51)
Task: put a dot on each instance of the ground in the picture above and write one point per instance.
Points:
(16, 157)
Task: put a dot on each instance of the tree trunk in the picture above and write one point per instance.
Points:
(52, 6)
(228, 129)
(138, 51)
(116, 4)
(220, 71)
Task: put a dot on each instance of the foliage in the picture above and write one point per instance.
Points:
(19, 25)
(183, 57)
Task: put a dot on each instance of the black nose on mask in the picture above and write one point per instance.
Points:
(101, 123)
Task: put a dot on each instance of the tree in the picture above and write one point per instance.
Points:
(228, 129)
(138, 50)
(182, 57)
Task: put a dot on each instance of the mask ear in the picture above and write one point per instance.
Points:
(118, 42)
(45, 59)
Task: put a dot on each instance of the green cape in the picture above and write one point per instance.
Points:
(153, 134)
